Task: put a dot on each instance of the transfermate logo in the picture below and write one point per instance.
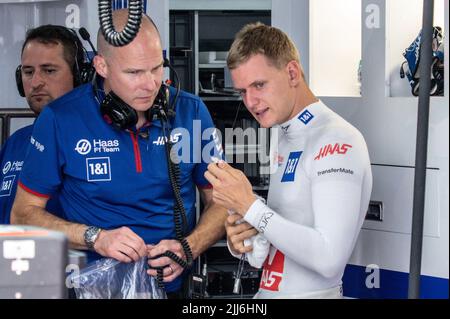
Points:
(83, 147)
(335, 170)
(332, 149)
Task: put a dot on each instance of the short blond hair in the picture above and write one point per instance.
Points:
(258, 38)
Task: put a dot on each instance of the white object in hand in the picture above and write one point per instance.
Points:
(260, 244)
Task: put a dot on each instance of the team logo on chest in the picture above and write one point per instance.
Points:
(291, 167)
(15, 166)
(98, 169)
(331, 149)
(161, 140)
(84, 146)
(7, 167)
(6, 185)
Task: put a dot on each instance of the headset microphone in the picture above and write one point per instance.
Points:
(89, 73)
(87, 37)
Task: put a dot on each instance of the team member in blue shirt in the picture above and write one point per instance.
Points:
(46, 72)
(113, 184)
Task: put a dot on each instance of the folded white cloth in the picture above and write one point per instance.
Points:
(260, 250)
(260, 245)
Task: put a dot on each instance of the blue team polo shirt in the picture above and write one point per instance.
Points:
(12, 156)
(112, 178)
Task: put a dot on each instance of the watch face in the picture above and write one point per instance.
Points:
(91, 235)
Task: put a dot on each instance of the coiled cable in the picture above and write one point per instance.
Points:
(118, 39)
(180, 220)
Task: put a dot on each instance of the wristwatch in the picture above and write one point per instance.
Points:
(91, 235)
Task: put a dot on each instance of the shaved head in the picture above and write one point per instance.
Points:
(134, 71)
(120, 18)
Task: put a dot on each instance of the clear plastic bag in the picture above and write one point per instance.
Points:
(108, 278)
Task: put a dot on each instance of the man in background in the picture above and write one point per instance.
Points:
(49, 66)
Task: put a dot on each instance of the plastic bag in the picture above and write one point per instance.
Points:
(108, 278)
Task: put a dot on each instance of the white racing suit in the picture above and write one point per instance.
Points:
(317, 201)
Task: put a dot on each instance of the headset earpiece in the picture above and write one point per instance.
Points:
(118, 113)
(82, 71)
(87, 73)
(122, 116)
(19, 81)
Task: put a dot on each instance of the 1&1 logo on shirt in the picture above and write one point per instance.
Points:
(98, 169)
(291, 166)
(306, 117)
(6, 185)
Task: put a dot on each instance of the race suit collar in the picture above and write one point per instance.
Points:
(304, 119)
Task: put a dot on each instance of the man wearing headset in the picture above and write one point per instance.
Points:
(48, 63)
(321, 181)
(113, 183)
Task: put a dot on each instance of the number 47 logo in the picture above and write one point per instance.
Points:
(98, 169)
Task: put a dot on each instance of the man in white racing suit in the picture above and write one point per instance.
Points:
(321, 182)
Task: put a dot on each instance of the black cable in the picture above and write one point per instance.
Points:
(236, 116)
(171, 109)
(118, 39)
(234, 123)
(180, 220)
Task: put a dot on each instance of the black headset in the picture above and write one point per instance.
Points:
(122, 116)
(82, 71)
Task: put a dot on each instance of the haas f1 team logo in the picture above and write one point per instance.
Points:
(83, 147)
(332, 149)
(272, 272)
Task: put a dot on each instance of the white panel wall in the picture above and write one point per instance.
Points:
(220, 4)
(335, 47)
(292, 16)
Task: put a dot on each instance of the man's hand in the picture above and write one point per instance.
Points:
(237, 233)
(171, 269)
(231, 188)
(121, 244)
